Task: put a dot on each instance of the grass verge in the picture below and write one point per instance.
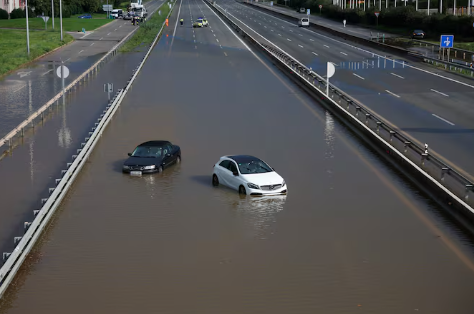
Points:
(147, 31)
(70, 24)
(13, 47)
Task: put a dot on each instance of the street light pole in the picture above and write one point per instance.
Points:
(61, 18)
(52, 11)
(27, 29)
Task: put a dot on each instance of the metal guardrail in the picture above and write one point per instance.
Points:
(20, 129)
(450, 66)
(434, 171)
(33, 230)
(458, 53)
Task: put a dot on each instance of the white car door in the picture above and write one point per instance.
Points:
(234, 181)
(223, 173)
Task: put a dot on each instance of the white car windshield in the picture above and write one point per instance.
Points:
(147, 151)
(254, 167)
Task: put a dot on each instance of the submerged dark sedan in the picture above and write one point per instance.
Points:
(152, 156)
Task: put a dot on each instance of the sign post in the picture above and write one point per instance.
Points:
(271, 3)
(331, 69)
(344, 22)
(62, 72)
(107, 8)
(45, 19)
(446, 41)
(377, 15)
(109, 89)
(320, 7)
(308, 12)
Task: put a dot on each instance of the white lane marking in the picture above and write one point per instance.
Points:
(217, 40)
(301, 46)
(326, 46)
(279, 34)
(392, 93)
(81, 51)
(214, 35)
(115, 30)
(288, 39)
(291, 31)
(272, 30)
(176, 25)
(448, 122)
(67, 59)
(434, 90)
(397, 75)
(108, 34)
(101, 38)
(344, 53)
(315, 53)
(300, 35)
(92, 44)
(220, 46)
(43, 74)
(311, 39)
(265, 26)
(358, 76)
(120, 26)
(194, 36)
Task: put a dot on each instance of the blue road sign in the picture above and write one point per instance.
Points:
(446, 41)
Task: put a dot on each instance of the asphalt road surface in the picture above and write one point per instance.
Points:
(39, 79)
(350, 236)
(428, 108)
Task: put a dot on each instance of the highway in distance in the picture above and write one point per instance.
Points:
(351, 235)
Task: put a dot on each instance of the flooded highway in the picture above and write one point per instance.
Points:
(350, 236)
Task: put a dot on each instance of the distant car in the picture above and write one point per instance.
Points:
(151, 157)
(85, 16)
(418, 33)
(128, 16)
(303, 22)
(116, 13)
(203, 21)
(249, 175)
(301, 10)
(198, 23)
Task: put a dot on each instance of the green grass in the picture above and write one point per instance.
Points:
(13, 47)
(71, 24)
(148, 31)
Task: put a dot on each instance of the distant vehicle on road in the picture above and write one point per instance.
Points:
(249, 175)
(117, 13)
(198, 23)
(151, 157)
(418, 34)
(203, 21)
(128, 16)
(85, 16)
(304, 22)
(301, 10)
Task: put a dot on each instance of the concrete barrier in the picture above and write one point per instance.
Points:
(14, 260)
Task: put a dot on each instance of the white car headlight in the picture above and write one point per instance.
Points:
(126, 167)
(149, 167)
(283, 184)
(253, 186)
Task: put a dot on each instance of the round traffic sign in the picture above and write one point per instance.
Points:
(65, 70)
(320, 6)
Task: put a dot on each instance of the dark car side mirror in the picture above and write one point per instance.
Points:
(129, 154)
(236, 173)
(168, 155)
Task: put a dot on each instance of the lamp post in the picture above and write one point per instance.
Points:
(52, 11)
(61, 18)
(27, 29)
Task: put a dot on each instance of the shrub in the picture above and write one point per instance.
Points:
(3, 14)
(17, 14)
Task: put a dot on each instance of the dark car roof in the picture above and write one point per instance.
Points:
(154, 143)
(243, 158)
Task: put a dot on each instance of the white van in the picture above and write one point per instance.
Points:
(303, 22)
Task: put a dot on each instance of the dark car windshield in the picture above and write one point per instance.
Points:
(254, 166)
(418, 31)
(147, 151)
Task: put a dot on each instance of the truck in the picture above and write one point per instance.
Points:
(138, 9)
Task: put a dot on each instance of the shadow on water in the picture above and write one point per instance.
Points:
(204, 180)
(439, 131)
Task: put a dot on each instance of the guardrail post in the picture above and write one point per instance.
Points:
(5, 256)
(367, 117)
(16, 240)
(26, 225)
(406, 144)
(378, 126)
(391, 135)
(443, 172)
(469, 187)
(423, 158)
(36, 212)
(357, 111)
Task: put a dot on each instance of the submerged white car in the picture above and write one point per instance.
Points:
(248, 175)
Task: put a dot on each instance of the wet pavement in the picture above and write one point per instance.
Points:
(350, 236)
(29, 88)
(32, 166)
(427, 108)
